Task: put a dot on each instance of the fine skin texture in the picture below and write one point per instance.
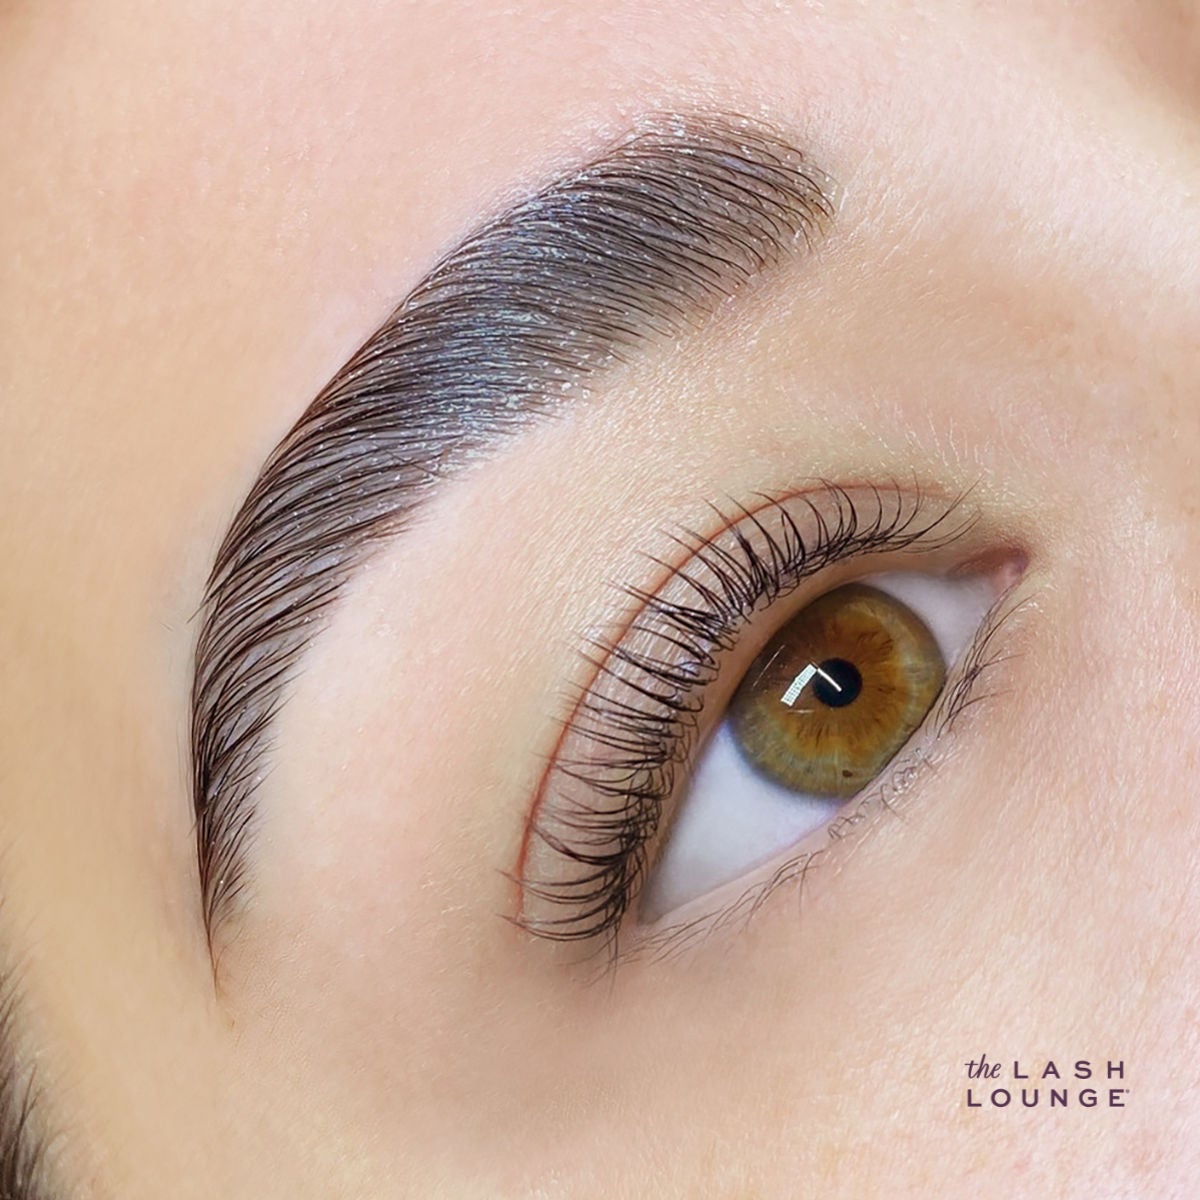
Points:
(205, 210)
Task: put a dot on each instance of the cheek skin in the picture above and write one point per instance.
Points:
(838, 1010)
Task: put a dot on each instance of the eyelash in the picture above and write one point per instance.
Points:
(642, 738)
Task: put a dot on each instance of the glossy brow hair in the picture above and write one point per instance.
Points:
(637, 246)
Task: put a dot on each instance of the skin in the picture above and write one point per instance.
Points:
(207, 208)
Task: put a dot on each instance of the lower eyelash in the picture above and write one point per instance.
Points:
(963, 690)
(633, 726)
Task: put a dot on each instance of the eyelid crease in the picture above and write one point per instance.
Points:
(729, 577)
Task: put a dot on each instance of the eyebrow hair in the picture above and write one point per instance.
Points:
(636, 247)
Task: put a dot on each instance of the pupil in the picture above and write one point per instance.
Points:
(837, 683)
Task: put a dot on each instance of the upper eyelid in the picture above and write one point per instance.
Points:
(887, 517)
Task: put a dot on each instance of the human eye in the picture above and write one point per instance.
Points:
(786, 667)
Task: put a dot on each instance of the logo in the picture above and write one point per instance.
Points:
(1030, 1084)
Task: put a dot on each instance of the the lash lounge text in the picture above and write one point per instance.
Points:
(1015, 1083)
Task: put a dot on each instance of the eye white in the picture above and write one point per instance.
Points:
(732, 819)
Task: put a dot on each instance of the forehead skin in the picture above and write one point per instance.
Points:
(205, 209)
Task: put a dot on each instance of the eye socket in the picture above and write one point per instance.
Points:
(824, 708)
(620, 771)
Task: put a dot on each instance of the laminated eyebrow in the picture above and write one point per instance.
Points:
(639, 245)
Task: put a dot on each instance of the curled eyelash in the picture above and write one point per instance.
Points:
(629, 737)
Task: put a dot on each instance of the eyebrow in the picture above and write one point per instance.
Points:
(639, 246)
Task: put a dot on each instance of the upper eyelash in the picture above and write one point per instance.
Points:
(640, 732)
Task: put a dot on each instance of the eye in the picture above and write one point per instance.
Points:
(719, 721)
(821, 712)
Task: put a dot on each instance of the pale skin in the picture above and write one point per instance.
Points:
(207, 208)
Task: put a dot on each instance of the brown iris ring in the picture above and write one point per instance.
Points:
(837, 692)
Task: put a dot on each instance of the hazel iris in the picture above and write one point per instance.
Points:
(836, 692)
